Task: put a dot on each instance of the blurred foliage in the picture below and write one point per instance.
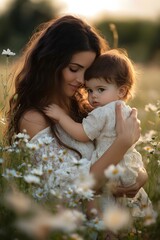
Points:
(141, 39)
(20, 20)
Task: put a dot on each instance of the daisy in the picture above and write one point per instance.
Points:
(8, 52)
(32, 179)
(114, 172)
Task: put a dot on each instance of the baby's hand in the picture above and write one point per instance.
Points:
(54, 111)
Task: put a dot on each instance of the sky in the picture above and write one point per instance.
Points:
(91, 9)
(148, 9)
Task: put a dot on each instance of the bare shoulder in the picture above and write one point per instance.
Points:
(33, 122)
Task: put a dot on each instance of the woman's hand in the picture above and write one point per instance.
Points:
(131, 191)
(127, 129)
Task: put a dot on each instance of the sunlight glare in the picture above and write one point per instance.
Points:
(91, 8)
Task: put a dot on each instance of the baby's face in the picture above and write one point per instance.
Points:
(100, 92)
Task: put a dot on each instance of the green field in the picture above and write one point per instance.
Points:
(147, 92)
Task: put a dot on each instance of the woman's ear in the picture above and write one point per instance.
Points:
(123, 90)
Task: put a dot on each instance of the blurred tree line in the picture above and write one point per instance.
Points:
(17, 24)
(141, 39)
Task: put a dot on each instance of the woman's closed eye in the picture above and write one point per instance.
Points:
(73, 69)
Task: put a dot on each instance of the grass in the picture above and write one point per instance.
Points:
(147, 91)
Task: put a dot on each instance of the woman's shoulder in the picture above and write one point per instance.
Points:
(33, 122)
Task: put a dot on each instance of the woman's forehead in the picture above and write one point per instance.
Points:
(84, 59)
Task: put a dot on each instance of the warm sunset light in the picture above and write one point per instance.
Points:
(114, 8)
(91, 8)
(144, 9)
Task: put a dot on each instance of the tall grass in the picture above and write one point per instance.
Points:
(147, 91)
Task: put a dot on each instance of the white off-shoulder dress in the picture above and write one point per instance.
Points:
(61, 165)
(86, 149)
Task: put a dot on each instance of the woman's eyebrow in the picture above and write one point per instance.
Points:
(77, 65)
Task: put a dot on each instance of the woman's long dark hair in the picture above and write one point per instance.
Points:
(38, 77)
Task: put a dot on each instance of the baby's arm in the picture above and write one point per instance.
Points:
(73, 128)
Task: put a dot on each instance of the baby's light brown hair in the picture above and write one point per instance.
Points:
(115, 67)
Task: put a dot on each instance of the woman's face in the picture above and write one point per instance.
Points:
(73, 74)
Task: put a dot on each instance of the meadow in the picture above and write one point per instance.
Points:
(146, 101)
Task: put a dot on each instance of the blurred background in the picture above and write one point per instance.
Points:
(137, 23)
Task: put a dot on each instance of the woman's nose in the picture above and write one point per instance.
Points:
(80, 79)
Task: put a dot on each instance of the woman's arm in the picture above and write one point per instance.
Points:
(74, 129)
(128, 132)
(131, 191)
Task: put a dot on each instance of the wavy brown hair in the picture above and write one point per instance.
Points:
(38, 76)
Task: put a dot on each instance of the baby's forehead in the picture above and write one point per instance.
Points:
(95, 81)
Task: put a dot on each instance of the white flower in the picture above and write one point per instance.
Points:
(45, 140)
(80, 162)
(39, 193)
(11, 173)
(8, 52)
(149, 149)
(37, 171)
(1, 160)
(94, 211)
(75, 236)
(68, 193)
(51, 154)
(116, 218)
(148, 137)
(32, 146)
(53, 192)
(85, 181)
(32, 179)
(96, 224)
(150, 107)
(22, 136)
(114, 172)
(85, 194)
(48, 168)
(68, 220)
(21, 165)
(44, 157)
(150, 216)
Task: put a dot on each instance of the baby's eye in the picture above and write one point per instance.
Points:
(89, 90)
(100, 90)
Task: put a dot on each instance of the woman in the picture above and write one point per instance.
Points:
(51, 70)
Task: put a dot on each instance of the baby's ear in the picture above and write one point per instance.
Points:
(123, 91)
